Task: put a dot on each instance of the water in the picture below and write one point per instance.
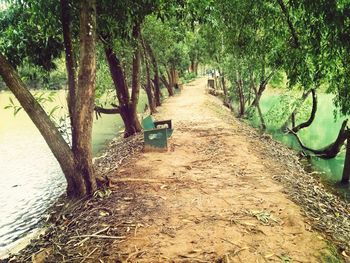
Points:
(322, 132)
(30, 177)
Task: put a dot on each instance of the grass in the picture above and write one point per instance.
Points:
(332, 254)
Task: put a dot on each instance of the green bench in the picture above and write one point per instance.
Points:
(155, 137)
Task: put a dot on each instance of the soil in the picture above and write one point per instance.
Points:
(221, 193)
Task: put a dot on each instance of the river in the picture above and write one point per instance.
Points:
(30, 177)
(322, 132)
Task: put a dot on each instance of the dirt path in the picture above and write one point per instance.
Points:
(211, 197)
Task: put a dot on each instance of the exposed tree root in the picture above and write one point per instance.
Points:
(332, 149)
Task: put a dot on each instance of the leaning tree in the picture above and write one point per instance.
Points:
(75, 162)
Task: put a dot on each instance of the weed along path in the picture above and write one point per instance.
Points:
(212, 196)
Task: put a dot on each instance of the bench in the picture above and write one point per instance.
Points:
(156, 137)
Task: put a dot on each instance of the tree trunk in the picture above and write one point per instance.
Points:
(70, 65)
(261, 117)
(167, 85)
(312, 115)
(156, 74)
(262, 88)
(332, 149)
(176, 77)
(85, 94)
(76, 164)
(135, 78)
(148, 87)
(239, 83)
(196, 68)
(224, 88)
(126, 112)
(346, 170)
(170, 78)
(46, 127)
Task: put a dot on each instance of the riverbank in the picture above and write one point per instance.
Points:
(222, 193)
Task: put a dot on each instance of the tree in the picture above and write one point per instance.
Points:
(252, 36)
(148, 85)
(76, 163)
(117, 20)
(167, 41)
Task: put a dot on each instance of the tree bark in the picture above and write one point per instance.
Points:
(167, 85)
(256, 101)
(76, 164)
(262, 88)
(148, 87)
(136, 61)
(346, 170)
(70, 65)
(239, 84)
(293, 119)
(196, 68)
(156, 73)
(46, 127)
(174, 76)
(122, 91)
(118, 77)
(261, 117)
(224, 88)
(312, 115)
(332, 149)
(85, 94)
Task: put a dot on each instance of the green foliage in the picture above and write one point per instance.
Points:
(105, 92)
(188, 76)
(168, 42)
(283, 107)
(278, 80)
(332, 255)
(54, 109)
(16, 108)
(31, 30)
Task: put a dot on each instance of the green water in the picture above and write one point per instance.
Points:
(320, 133)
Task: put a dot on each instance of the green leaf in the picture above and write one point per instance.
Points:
(53, 110)
(17, 110)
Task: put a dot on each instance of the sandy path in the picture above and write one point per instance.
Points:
(211, 197)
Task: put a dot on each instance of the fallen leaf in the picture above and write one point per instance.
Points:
(269, 255)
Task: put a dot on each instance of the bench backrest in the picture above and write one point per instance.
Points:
(147, 123)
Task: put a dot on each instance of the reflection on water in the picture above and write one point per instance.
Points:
(30, 177)
(323, 131)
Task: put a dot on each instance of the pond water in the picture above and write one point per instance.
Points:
(320, 133)
(30, 177)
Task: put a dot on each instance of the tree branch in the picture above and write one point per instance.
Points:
(100, 110)
(332, 149)
(290, 24)
(312, 115)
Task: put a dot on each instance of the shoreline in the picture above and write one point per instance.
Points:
(21, 243)
(117, 149)
(304, 188)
